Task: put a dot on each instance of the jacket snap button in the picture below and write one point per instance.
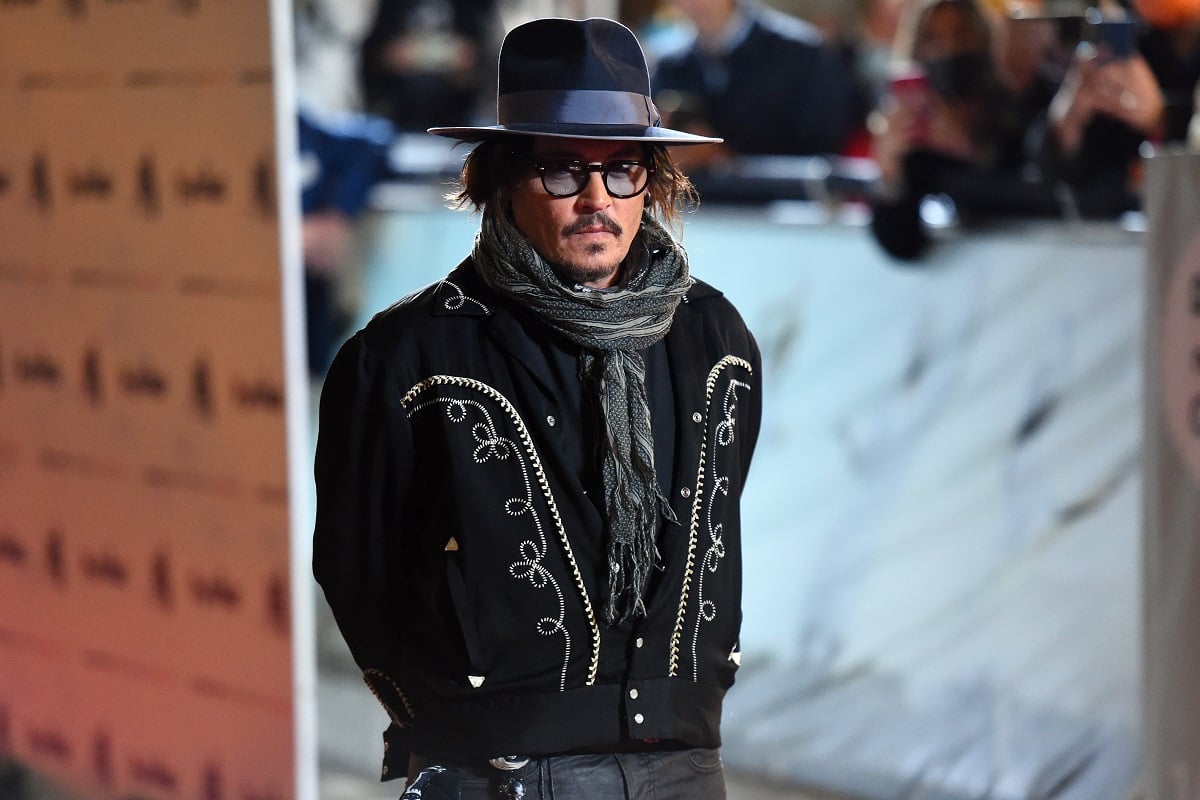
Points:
(639, 719)
(551, 421)
(697, 417)
(633, 694)
(639, 642)
(685, 492)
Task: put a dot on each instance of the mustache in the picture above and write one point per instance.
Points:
(597, 220)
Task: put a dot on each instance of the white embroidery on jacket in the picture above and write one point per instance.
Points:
(489, 444)
(723, 436)
(456, 302)
(405, 721)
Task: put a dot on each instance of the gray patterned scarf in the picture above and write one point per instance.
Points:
(613, 327)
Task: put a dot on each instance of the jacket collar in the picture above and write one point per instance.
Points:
(463, 293)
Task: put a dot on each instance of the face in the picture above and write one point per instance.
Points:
(948, 31)
(586, 237)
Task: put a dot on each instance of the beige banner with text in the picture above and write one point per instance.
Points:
(146, 602)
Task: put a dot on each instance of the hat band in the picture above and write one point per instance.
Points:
(576, 107)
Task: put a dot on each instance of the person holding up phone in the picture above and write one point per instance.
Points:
(1131, 83)
(951, 126)
(1109, 77)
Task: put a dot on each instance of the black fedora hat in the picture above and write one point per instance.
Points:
(575, 79)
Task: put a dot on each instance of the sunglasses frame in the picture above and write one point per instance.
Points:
(587, 168)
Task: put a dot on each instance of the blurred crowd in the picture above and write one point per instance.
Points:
(955, 110)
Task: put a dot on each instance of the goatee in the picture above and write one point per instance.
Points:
(575, 273)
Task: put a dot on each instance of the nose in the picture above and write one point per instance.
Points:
(594, 196)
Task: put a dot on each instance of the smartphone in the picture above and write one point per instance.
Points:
(910, 87)
(1115, 39)
(910, 84)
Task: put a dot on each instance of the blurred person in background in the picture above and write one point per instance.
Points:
(765, 82)
(342, 157)
(1034, 54)
(863, 32)
(1132, 83)
(850, 27)
(1171, 47)
(949, 137)
(429, 62)
(329, 36)
(874, 38)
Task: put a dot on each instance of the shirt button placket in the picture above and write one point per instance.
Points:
(637, 717)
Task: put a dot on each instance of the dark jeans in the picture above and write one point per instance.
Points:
(676, 775)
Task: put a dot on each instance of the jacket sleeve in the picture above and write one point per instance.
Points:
(363, 471)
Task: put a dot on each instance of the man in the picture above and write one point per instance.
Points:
(528, 474)
(767, 83)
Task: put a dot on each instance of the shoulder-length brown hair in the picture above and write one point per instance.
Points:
(495, 166)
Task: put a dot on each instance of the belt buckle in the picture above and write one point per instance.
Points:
(512, 787)
(508, 763)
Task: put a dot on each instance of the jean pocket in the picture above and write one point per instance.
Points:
(705, 760)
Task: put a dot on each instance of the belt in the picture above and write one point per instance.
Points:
(481, 769)
(504, 773)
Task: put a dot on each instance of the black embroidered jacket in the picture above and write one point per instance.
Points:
(460, 545)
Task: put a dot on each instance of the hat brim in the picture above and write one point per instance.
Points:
(618, 133)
